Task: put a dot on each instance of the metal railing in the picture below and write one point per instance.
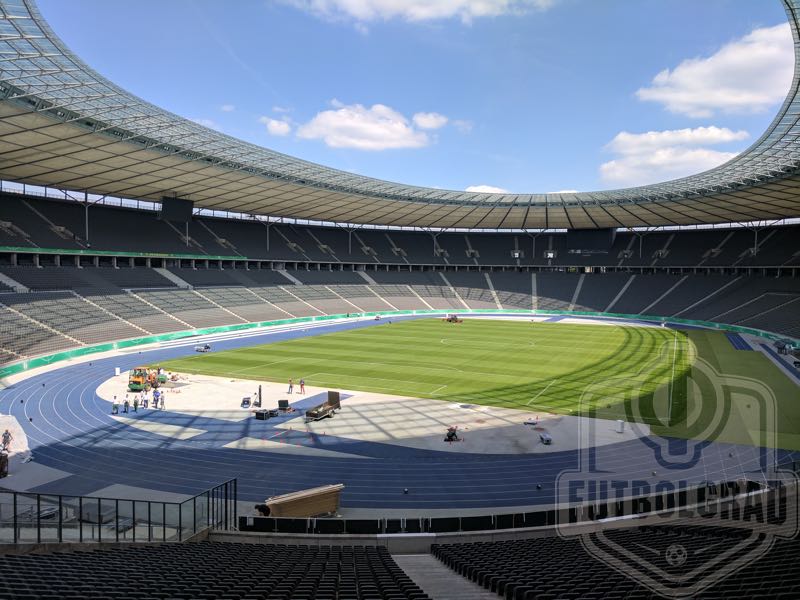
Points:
(671, 502)
(27, 518)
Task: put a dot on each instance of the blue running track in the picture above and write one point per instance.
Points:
(70, 428)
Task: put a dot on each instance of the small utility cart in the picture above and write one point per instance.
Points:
(326, 409)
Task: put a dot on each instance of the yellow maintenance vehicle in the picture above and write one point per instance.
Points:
(145, 378)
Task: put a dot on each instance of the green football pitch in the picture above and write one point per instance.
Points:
(677, 382)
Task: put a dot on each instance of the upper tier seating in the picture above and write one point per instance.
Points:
(47, 223)
(208, 571)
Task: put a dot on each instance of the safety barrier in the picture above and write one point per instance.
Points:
(27, 518)
(706, 495)
(92, 252)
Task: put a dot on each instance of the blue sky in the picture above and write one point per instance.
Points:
(519, 95)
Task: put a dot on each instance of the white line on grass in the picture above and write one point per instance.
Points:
(672, 378)
(542, 392)
(398, 382)
(259, 366)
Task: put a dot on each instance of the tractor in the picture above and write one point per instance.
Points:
(143, 378)
(138, 379)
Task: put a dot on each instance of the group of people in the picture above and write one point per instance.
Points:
(302, 383)
(142, 399)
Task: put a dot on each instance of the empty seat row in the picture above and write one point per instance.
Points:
(613, 563)
(208, 570)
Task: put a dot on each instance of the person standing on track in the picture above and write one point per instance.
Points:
(302, 386)
(291, 387)
(7, 439)
(136, 403)
(114, 406)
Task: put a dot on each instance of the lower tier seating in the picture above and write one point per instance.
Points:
(555, 567)
(208, 571)
(40, 322)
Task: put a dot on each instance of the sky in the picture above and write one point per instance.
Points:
(520, 96)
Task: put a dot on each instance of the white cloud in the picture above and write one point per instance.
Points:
(564, 192)
(657, 156)
(745, 76)
(462, 125)
(378, 127)
(227, 108)
(636, 143)
(281, 109)
(417, 10)
(429, 120)
(662, 165)
(486, 189)
(276, 127)
(211, 124)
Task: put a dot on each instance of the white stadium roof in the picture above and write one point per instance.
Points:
(63, 125)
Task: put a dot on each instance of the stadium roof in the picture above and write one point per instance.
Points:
(63, 125)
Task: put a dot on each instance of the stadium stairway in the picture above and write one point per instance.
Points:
(437, 580)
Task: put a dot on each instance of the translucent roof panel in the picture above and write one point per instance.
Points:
(71, 113)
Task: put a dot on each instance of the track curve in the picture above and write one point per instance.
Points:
(69, 427)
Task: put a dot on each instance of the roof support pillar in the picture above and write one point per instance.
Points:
(755, 241)
(267, 225)
(640, 235)
(533, 237)
(435, 240)
(86, 217)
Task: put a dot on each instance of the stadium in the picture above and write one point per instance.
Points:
(266, 378)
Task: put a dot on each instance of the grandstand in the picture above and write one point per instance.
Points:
(93, 279)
